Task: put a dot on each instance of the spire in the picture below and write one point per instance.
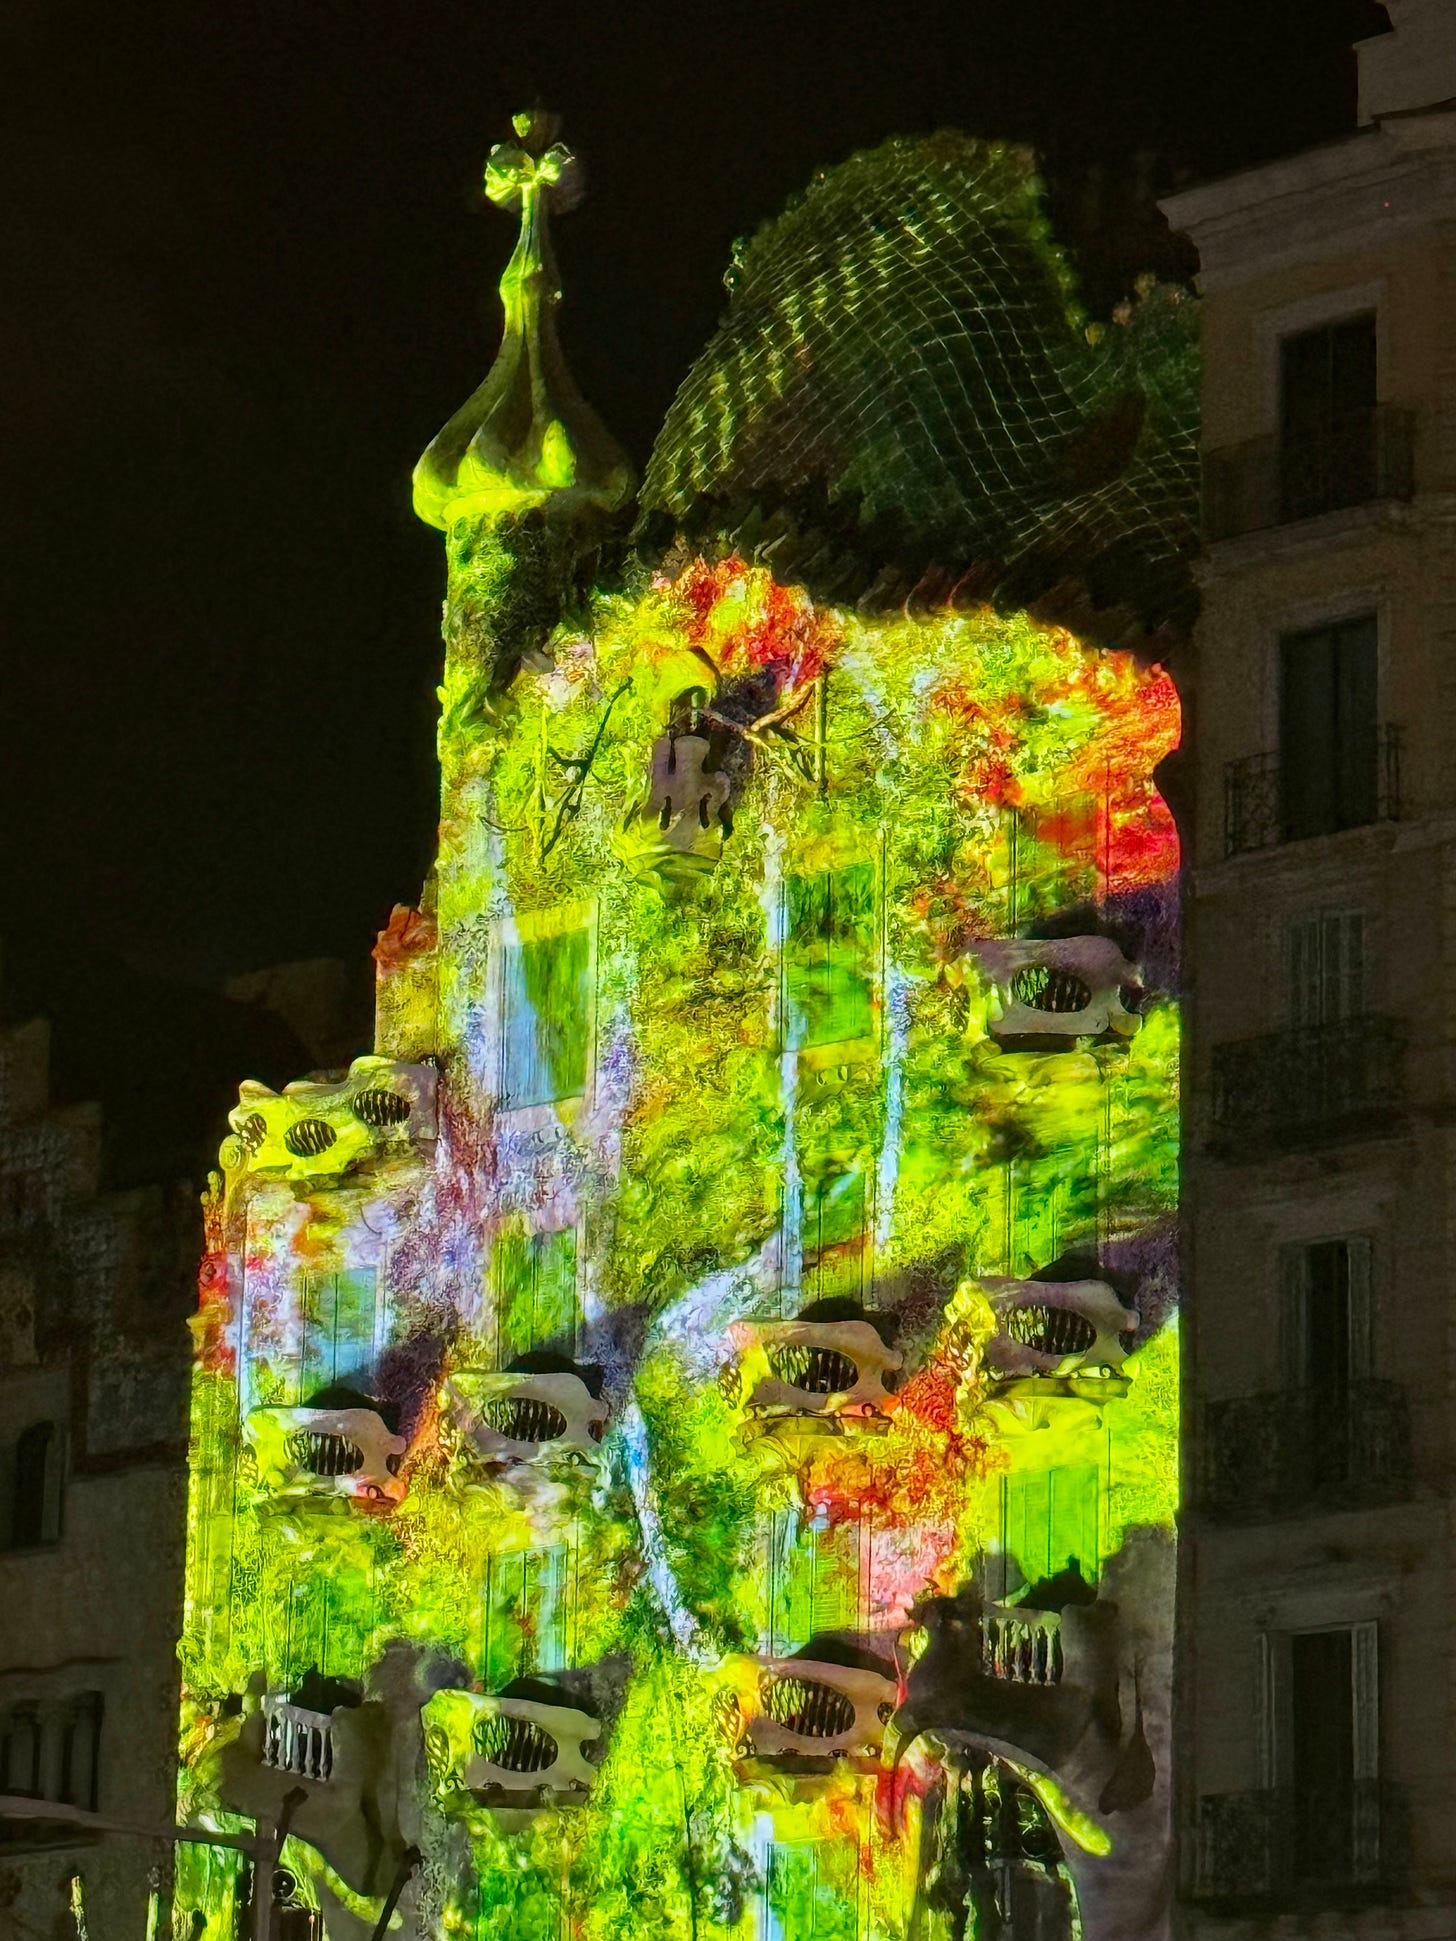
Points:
(527, 435)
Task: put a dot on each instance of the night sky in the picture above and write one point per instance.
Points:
(248, 273)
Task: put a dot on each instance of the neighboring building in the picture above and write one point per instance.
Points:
(93, 1440)
(96, 1290)
(685, 1432)
(1318, 1746)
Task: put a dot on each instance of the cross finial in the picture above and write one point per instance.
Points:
(534, 166)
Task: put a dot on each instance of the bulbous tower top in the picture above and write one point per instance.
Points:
(527, 437)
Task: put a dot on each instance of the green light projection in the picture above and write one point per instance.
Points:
(741, 1280)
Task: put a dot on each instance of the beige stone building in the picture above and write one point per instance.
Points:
(1318, 1706)
(93, 1428)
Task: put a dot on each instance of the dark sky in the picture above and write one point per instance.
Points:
(247, 273)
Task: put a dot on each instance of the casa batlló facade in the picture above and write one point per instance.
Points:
(684, 1431)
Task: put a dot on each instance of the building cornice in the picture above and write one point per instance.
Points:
(1395, 176)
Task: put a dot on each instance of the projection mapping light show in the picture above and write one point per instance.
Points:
(685, 1432)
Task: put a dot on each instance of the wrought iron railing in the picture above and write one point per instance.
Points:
(1307, 1084)
(1261, 1457)
(1293, 1849)
(1260, 810)
(1359, 458)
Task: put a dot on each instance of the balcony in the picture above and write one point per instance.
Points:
(1022, 1646)
(1290, 1850)
(1297, 1451)
(1260, 811)
(1308, 1084)
(1362, 457)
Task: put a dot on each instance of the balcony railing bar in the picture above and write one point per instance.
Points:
(1258, 815)
(1293, 1850)
(1307, 1084)
(1359, 458)
(1285, 1453)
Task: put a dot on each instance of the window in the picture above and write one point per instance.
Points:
(536, 1293)
(813, 1581)
(546, 1018)
(80, 1751)
(1327, 382)
(1323, 1719)
(35, 1501)
(811, 1890)
(833, 1236)
(1326, 1335)
(1329, 742)
(1051, 1519)
(338, 1339)
(21, 1764)
(527, 1614)
(1324, 954)
(829, 947)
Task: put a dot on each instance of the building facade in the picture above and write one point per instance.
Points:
(685, 1432)
(94, 1293)
(1316, 1728)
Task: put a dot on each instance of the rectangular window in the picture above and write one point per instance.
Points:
(813, 1581)
(1329, 742)
(829, 952)
(21, 1764)
(1051, 1522)
(1327, 386)
(545, 1018)
(833, 1236)
(338, 1338)
(1326, 1329)
(527, 1613)
(81, 1751)
(535, 1277)
(1324, 1753)
(811, 1890)
(1324, 954)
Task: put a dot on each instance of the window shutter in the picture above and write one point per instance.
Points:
(1302, 961)
(1269, 1736)
(1365, 1697)
(1293, 1316)
(1360, 1254)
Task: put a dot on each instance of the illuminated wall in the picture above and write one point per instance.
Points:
(685, 1433)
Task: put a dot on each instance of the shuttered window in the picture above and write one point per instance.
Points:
(1050, 1518)
(545, 1018)
(1326, 1323)
(527, 1626)
(535, 1279)
(829, 952)
(1320, 1744)
(1328, 735)
(338, 1342)
(1325, 967)
(813, 1580)
(811, 1890)
(833, 1236)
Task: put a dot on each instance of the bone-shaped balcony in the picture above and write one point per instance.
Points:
(505, 1418)
(791, 1710)
(508, 1751)
(313, 1451)
(817, 1377)
(1057, 1338)
(313, 1129)
(1051, 994)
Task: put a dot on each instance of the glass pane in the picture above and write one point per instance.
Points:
(536, 1283)
(546, 998)
(828, 953)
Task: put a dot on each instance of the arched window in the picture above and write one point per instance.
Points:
(35, 1503)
